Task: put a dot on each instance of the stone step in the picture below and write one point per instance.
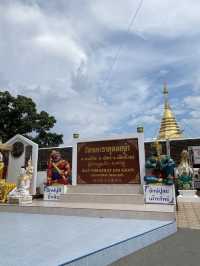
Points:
(105, 188)
(127, 211)
(103, 198)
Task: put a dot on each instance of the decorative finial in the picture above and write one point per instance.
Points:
(75, 135)
(165, 89)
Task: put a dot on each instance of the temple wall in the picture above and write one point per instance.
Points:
(176, 146)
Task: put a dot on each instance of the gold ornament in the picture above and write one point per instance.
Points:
(5, 188)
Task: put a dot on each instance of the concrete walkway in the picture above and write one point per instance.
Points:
(180, 249)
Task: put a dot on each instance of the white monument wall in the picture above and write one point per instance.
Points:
(15, 164)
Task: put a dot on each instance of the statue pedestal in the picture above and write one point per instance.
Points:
(25, 200)
(21, 200)
(189, 195)
(53, 192)
(19, 196)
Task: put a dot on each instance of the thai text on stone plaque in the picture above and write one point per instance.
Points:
(108, 162)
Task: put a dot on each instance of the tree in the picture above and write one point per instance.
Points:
(19, 115)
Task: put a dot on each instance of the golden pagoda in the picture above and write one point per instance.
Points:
(169, 128)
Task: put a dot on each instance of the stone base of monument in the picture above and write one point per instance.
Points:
(188, 195)
(108, 201)
(105, 194)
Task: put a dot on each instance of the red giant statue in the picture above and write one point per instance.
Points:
(59, 170)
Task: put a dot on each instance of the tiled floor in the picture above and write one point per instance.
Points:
(34, 239)
(188, 215)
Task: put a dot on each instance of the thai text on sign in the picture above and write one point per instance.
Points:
(108, 162)
(159, 194)
(54, 192)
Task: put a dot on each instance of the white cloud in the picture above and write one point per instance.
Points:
(60, 45)
(19, 13)
(145, 119)
(33, 28)
(62, 55)
(165, 18)
(193, 101)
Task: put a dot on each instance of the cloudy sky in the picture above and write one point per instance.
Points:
(62, 53)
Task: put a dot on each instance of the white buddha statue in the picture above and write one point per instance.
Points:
(24, 183)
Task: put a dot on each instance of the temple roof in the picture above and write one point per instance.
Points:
(169, 128)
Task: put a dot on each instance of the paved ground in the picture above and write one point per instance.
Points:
(188, 216)
(181, 249)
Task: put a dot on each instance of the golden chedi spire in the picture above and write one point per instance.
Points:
(169, 128)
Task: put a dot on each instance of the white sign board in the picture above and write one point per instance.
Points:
(54, 192)
(161, 194)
